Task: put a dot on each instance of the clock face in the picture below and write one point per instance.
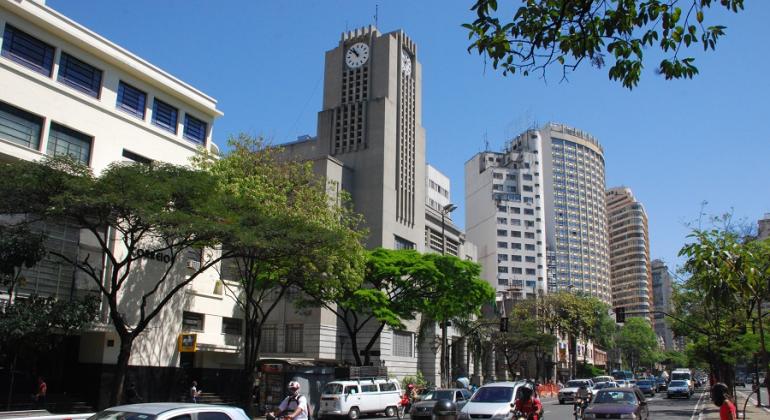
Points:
(357, 55)
(406, 63)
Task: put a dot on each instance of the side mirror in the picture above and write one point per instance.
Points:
(513, 405)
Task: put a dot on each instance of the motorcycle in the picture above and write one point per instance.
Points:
(518, 415)
(579, 408)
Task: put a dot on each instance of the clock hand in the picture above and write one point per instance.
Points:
(355, 52)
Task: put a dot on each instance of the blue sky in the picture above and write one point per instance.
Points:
(675, 143)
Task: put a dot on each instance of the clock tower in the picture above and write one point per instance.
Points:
(371, 122)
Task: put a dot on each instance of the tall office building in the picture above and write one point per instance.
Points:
(630, 275)
(504, 218)
(662, 290)
(371, 142)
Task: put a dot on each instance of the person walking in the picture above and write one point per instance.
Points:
(723, 400)
(195, 393)
(42, 392)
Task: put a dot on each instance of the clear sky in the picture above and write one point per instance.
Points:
(676, 144)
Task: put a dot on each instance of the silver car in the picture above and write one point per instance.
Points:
(171, 411)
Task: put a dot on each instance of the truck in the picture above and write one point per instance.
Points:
(684, 375)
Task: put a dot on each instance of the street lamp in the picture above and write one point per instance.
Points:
(446, 210)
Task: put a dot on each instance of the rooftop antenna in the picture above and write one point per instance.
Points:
(376, 13)
(486, 142)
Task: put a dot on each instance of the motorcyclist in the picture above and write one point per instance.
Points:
(293, 407)
(528, 404)
(582, 397)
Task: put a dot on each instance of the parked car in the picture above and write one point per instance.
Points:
(617, 403)
(493, 400)
(424, 407)
(353, 397)
(678, 388)
(570, 389)
(647, 386)
(661, 385)
(167, 411)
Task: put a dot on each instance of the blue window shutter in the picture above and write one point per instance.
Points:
(194, 129)
(20, 126)
(164, 116)
(80, 75)
(27, 50)
(131, 100)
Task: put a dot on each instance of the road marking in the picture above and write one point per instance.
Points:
(695, 409)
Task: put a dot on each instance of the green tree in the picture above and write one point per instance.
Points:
(638, 343)
(457, 292)
(544, 33)
(283, 232)
(142, 218)
(19, 248)
(570, 314)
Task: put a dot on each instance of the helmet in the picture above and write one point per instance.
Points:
(294, 385)
(526, 393)
(410, 386)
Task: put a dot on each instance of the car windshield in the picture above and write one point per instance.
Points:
(333, 389)
(645, 382)
(678, 383)
(121, 415)
(576, 384)
(615, 397)
(439, 395)
(493, 394)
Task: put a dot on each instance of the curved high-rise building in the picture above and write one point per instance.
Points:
(574, 209)
(631, 274)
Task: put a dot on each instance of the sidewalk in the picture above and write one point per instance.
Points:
(711, 412)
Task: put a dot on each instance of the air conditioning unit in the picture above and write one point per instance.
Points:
(193, 265)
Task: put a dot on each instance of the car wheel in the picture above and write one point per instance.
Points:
(354, 413)
(391, 412)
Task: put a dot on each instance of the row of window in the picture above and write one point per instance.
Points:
(516, 245)
(26, 129)
(38, 56)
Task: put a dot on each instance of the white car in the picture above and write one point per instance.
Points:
(493, 401)
(168, 411)
(571, 387)
(353, 397)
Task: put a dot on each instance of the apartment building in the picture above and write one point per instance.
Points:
(631, 277)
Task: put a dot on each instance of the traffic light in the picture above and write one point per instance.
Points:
(620, 315)
(504, 324)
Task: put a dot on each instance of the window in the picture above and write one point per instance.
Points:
(502, 269)
(516, 222)
(502, 282)
(502, 244)
(131, 100)
(164, 115)
(529, 259)
(20, 127)
(66, 141)
(368, 388)
(529, 235)
(516, 258)
(134, 157)
(402, 344)
(516, 210)
(80, 75)
(516, 270)
(192, 321)
(516, 234)
(213, 415)
(232, 326)
(531, 271)
(387, 386)
(293, 338)
(402, 243)
(269, 344)
(515, 245)
(529, 211)
(502, 232)
(27, 50)
(194, 129)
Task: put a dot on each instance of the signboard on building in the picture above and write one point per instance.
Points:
(186, 343)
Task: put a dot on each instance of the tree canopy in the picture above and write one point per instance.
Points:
(543, 33)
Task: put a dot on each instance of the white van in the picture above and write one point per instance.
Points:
(353, 397)
(684, 375)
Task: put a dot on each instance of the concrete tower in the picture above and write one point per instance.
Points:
(631, 276)
(662, 291)
(371, 122)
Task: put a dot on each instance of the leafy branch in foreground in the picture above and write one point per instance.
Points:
(542, 33)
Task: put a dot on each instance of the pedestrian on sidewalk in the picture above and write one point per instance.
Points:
(42, 393)
(194, 392)
(723, 400)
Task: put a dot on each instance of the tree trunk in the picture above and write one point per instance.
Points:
(11, 380)
(765, 357)
(121, 368)
(572, 355)
(372, 340)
